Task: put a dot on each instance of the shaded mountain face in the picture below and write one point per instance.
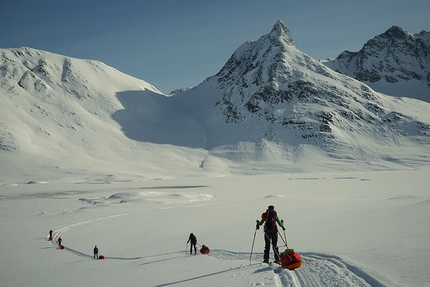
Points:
(270, 107)
(45, 94)
(63, 117)
(269, 89)
(393, 58)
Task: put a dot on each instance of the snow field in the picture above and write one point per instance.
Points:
(352, 229)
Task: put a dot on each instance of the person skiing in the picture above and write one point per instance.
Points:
(193, 241)
(96, 252)
(270, 218)
(59, 242)
(50, 234)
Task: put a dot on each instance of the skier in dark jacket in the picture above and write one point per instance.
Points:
(96, 252)
(270, 218)
(193, 241)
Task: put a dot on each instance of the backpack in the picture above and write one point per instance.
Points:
(270, 221)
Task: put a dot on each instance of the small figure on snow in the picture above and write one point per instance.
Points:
(193, 241)
(59, 242)
(50, 234)
(96, 252)
(270, 218)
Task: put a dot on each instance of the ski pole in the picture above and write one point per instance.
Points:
(282, 239)
(285, 235)
(285, 241)
(253, 240)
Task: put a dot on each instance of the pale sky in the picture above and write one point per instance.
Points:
(179, 43)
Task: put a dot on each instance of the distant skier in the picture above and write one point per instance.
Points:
(270, 218)
(193, 241)
(50, 234)
(96, 252)
(59, 242)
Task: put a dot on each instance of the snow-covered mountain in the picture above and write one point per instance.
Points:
(270, 93)
(395, 62)
(60, 120)
(271, 107)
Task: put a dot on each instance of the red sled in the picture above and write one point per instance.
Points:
(205, 250)
(101, 257)
(290, 259)
(62, 247)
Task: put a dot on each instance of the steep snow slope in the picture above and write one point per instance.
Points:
(60, 112)
(396, 63)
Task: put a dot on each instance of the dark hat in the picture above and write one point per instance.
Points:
(271, 207)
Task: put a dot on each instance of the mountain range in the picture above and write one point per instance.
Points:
(270, 108)
(395, 62)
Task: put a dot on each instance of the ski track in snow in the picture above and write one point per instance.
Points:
(317, 269)
(58, 232)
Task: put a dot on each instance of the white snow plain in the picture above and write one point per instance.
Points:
(351, 228)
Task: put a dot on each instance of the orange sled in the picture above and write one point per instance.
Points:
(205, 250)
(290, 259)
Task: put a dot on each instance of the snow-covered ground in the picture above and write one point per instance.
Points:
(351, 228)
(105, 159)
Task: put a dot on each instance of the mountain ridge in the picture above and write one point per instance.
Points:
(395, 62)
(269, 109)
(264, 79)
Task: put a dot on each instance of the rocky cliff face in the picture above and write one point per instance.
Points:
(393, 58)
(288, 93)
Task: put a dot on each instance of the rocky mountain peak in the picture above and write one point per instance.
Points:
(256, 62)
(395, 32)
(394, 57)
(272, 86)
(280, 32)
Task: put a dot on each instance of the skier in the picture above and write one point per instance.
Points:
(193, 241)
(59, 242)
(50, 234)
(96, 252)
(270, 218)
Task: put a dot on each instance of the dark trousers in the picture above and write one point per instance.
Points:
(271, 238)
(191, 248)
